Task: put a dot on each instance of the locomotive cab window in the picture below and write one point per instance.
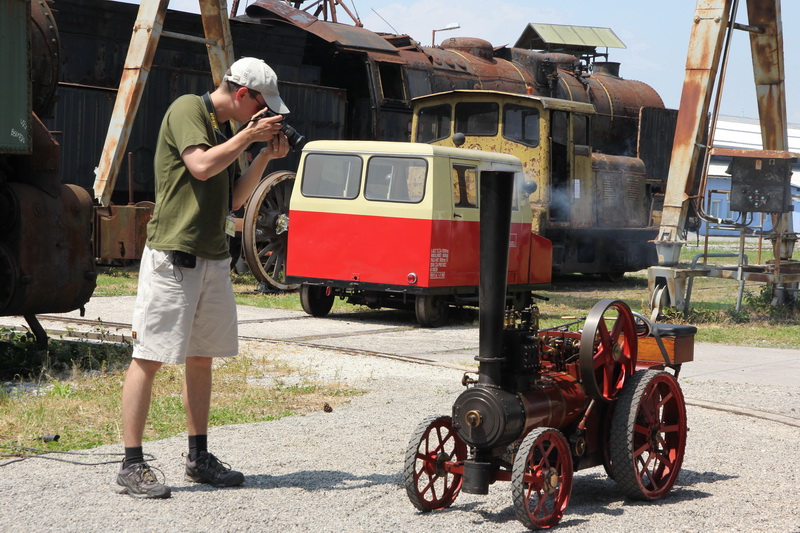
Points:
(392, 85)
(465, 186)
(395, 179)
(580, 130)
(477, 118)
(433, 123)
(521, 124)
(331, 176)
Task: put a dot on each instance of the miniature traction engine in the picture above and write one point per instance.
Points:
(547, 403)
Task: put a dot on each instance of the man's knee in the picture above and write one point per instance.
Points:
(145, 366)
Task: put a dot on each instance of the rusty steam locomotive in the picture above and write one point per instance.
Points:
(346, 82)
(46, 259)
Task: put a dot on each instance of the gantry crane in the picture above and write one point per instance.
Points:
(761, 178)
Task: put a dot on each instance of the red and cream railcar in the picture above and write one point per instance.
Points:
(391, 224)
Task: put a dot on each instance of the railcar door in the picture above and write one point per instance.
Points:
(464, 249)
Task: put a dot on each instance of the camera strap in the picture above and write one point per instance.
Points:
(221, 138)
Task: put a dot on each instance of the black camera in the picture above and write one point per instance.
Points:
(296, 140)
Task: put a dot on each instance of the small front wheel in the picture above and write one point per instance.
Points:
(432, 447)
(541, 478)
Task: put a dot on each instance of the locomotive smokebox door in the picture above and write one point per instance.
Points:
(760, 180)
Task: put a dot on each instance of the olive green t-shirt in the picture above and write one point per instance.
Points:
(189, 214)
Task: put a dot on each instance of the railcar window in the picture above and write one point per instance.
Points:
(433, 123)
(331, 176)
(395, 179)
(477, 118)
(521, 124)
(465, 186)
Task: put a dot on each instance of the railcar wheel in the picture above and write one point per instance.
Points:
(266, 229)
(316, 300)
(428, 485)
(541, 478)
(648, 435)
(607, 357)
(431, 310)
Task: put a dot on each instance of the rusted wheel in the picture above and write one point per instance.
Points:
(659, 301)
(316, 300)
(433, 445)
(266, 229)
(607, 355)
(431, 310)
(541, 478)
(648, 435)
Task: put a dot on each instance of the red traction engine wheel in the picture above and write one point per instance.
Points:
(541, 478)
(648, 435)
(433, 450)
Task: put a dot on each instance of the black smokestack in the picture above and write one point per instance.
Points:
(496, 190)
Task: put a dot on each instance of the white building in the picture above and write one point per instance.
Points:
(743, 133)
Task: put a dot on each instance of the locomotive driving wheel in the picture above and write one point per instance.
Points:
(541, 478)
(607, 354)
(429, 484)
(266, 229)
(648, 435)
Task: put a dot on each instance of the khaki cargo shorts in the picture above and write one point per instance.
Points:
(183, 312)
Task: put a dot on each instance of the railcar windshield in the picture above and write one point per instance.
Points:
(331, 176)
(521, 124)
(433, 123)
(395, 179)
(477, 118)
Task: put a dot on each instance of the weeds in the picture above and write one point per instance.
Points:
(83, 406)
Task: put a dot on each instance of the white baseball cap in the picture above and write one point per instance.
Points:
(254, 74)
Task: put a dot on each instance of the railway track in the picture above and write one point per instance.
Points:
(100, 330)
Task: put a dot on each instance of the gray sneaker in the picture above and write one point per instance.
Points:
(140, 481)
(208, 469)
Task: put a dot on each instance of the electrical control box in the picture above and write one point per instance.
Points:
(760, 180)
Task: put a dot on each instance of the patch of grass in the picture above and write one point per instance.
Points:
(84, 409)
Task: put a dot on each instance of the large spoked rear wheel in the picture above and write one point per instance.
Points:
(541, 478)
(648, 435)
(608, 349)
(266, 230)
(428, 483)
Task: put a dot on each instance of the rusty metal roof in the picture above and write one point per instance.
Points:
(547, 102)
(342, 35)
(563, 37)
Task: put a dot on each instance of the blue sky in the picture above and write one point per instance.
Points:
(656, 34)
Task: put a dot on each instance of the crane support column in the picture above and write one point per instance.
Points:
(711, 20)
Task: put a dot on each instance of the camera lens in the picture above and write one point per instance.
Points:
(296, 141)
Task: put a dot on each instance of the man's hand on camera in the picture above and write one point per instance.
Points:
(264, 129)
(278, 147)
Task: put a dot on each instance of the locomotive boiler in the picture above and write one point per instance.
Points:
(46, 260)
(547, 403)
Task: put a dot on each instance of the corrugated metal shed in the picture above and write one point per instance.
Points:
(554, 37)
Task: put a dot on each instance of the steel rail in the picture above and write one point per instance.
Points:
(414, 359)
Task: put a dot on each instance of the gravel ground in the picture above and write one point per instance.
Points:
(341, 471)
